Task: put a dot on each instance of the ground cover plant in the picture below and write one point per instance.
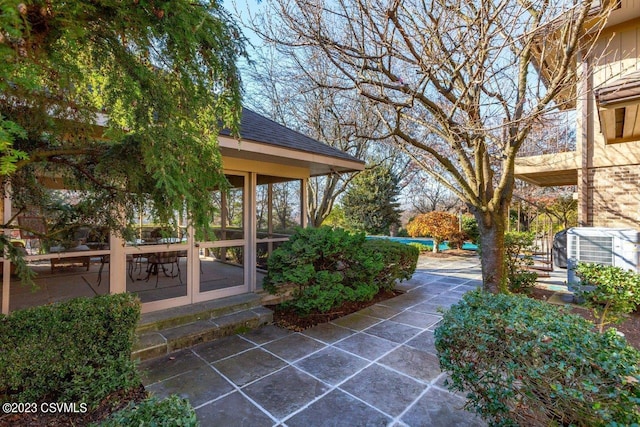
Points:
(329, 267)
(527, 362)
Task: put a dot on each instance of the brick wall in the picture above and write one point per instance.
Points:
(614, 196)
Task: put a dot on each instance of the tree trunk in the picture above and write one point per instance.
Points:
(492, 227)
(435, 246)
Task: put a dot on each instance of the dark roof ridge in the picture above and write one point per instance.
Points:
(258, 128)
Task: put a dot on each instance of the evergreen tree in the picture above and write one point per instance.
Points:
(370, 204)
(119, 100)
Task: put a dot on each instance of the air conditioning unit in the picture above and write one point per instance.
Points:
(600, 245)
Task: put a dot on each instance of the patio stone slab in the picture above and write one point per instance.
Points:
(338, 409)
(430, 308)
(286, 391)
(233, 410)
(159, 369)
(380, 311)
(417, 319)
(328, 332)
(198, 386)
(367, 346)
(356, 321)
(388, 391)
(438, 408)
(393, 331)
(293, 347)
(222, 348)
(424, 342)
(266, 334)
(409, 299)
(413, 362)
(463, 289)
(249, 366)
(445, 301)
(448, 279)
(331, 365)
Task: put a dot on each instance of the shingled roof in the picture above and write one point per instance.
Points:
(257, 128)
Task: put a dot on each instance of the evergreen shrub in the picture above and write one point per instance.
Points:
(331, 266)
(526, 362)
(75, 351)
(170, 412)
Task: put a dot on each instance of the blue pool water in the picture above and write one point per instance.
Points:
(425, 241)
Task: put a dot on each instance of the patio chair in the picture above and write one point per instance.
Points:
(159, 260)
(32, 228)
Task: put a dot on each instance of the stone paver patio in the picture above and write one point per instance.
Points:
(374, 367)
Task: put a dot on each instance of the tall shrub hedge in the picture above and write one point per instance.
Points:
(74, 351)
(526, 362)
(330, 266)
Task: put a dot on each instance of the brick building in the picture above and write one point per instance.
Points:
(604, 164)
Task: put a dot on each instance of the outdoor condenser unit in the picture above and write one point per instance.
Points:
(600, 245)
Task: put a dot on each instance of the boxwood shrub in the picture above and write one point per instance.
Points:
(74, 351)
(526, 362)
(331, 266)
(170, 412)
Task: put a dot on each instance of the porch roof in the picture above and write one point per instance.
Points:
(263, 139)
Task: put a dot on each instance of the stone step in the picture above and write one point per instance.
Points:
(172, 317)
(157, 343)
(166, 331)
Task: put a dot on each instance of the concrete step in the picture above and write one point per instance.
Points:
(163, 332)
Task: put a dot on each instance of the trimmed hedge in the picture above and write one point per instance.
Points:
(331, 266)
(74, 351)
(399, 260)
(170, 412)
(526, 362)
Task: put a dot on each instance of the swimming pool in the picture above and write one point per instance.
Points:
(424, 241)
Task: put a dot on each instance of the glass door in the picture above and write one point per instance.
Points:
(220, 267)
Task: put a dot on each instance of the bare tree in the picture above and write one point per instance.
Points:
(454, 82)
(305, 99)
(427, 194)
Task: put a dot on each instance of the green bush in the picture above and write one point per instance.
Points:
(526, 362)
(172, 411)
(516, 246)
(421, 247)
(329, 266)
(400, 261)
(610, 292)
(470, 228)
(75, 351)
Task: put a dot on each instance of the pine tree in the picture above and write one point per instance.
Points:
(370, 204)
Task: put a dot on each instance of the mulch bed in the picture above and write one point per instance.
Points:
(287, 318)
(110, 404)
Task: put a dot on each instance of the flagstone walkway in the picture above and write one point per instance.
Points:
(376, 367)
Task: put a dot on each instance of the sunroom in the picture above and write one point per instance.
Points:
(267, 171)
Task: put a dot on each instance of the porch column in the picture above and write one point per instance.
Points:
(117, 265)
(304, 198)
(252, 231)
(6, 268)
